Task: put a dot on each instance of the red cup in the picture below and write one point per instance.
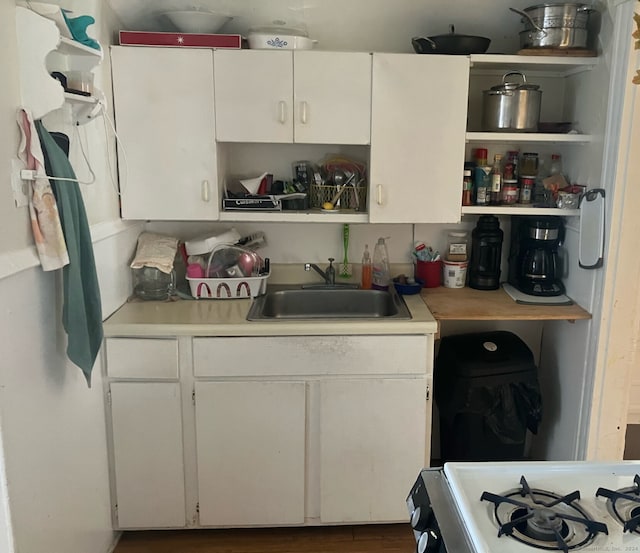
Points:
(430, 272)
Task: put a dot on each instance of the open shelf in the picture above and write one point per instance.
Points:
(79, 98)
(294, 216)
(71, 47)
(556, 65)
(518, 210)
(522, 138)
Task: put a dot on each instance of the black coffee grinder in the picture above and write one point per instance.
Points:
(533, 256)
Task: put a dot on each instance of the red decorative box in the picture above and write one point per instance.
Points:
(179, 40)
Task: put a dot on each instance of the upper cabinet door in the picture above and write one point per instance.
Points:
(254, 96)
(419, 113)
(332, 97)
(163, 100)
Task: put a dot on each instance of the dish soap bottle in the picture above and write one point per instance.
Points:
(367, 269)
(381, 273)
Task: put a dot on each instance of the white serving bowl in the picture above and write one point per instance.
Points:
(196, 21)
(271, 41)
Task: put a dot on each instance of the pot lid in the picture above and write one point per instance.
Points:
(512, 85)
(453, 35)
(515, 86)
(280, 28)
(566, 5)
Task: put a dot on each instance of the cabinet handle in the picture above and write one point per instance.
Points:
(304, 108)
(379, 194)
(205, 190)
(282, 111)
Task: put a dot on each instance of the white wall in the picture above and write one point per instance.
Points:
(54, 489)
(363, 25)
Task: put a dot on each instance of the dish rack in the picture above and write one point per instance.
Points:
(228, 288)
(351, 198)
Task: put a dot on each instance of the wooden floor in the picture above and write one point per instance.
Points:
(386, 538)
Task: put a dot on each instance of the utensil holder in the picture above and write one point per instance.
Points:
(351, 198)
(430, 272)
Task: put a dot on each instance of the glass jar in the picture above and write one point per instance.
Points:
(457, 246)
(509, 192)
(150, 283)
(529, 165)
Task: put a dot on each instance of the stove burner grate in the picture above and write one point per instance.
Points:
(544, 519)
(624, 504)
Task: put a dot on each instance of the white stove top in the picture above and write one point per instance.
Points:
(468, 481)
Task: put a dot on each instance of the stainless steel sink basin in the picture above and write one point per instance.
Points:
(287, 302)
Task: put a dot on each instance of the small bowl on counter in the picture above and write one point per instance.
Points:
(408, 288)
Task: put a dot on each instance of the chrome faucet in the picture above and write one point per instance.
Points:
(329, 274)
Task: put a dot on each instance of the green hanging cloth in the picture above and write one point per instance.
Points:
(82, 311)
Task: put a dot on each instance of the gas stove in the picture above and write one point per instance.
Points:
(524, 507)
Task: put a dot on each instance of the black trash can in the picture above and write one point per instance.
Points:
(487, 392)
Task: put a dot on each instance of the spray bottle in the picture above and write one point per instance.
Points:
(381, 271)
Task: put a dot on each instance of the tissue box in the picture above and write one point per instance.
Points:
(249, 203)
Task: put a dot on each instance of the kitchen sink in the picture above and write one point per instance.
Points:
(330, 302)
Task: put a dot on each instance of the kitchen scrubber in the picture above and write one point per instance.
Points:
(345, 269)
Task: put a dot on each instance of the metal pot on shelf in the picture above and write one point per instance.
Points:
(451, 43)
(511, 106)
(561, 25)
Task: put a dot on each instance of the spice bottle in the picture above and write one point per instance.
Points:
(483, 185)
(481, 156)
(367, 269)
(556, 165)
(496, 180)
(467, 188)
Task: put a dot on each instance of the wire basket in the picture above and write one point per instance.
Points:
(228, 288)
(351, 198)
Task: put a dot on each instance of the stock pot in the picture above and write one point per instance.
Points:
(511, 106)
(561, 25)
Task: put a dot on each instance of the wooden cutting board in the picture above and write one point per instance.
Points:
(569, 52)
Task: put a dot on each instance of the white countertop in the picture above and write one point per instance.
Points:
(229, 318)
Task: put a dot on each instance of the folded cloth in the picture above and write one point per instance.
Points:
(78, 28)
(43, 210)
(155, 250)
(81, 309)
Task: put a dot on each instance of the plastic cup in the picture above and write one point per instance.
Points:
(430, 272)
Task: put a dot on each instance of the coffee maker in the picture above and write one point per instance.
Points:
(534, 267)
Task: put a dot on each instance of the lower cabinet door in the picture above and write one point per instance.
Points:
(148, 454)
(372, 443)
(251, 452)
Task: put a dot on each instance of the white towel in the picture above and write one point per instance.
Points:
(43, 209)
(155, 250)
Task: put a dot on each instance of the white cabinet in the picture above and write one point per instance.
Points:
(319, 438)
(372, 442)
(250, 452)
(284, 97)
(148, 468)
(266, 430)
(164, 105)
(418, 124)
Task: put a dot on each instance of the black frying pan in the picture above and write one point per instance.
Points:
(451, 44)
